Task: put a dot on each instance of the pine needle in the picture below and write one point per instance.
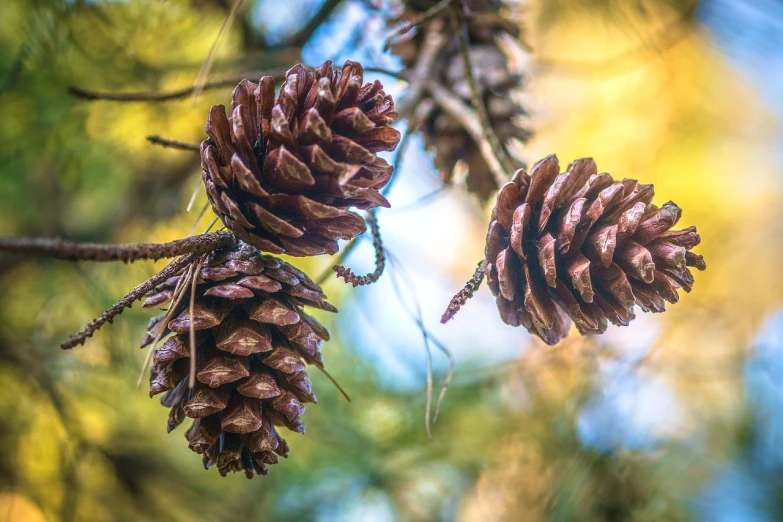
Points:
(198, 87)
(428, 338)
(198, 219)
(336, 384)
(193, 196)
(194, 280)
(161, 326)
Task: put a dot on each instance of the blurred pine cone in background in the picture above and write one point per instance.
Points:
(282, 174)
(497, 83)
(253, 340)
(580, 246)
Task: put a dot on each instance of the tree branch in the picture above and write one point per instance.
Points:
(127, 301)
(73, 251)
(173, 144)
(277, 73)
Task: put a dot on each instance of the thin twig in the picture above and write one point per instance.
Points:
(178, 94)
(466, 293)
(73, 251)
(278, 73)
(201, 79)
(428, 338)
(380, 258)
(467, 117)
(173, 144)
(299, 38)
(461, 28)
(421, 201)
(126, 302)
(447, 380)
(419, 20)
(398, 75)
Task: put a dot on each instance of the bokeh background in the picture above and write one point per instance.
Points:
(676, 417)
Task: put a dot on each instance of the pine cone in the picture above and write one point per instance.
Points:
(580, 246)
(253, 340)
(497, 86)
(281, 175)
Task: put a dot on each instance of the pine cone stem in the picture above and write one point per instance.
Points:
(380, 258)
(73, 251)
(466, 293)
(461, 28)
(173, 144)
(126, 302)
(469, 120)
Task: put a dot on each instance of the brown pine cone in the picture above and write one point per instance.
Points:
(252, 342)
(580, 246)
(496, 83)
(282, 174)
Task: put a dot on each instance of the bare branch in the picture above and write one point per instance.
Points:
(466, 293)
(380, 258)
(73, 251)
(173, 144)
(178, 94)
(126, 302)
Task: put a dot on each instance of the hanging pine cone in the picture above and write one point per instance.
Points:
(252, 342)
(282, 174)
(498, 88)
(580, 246)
